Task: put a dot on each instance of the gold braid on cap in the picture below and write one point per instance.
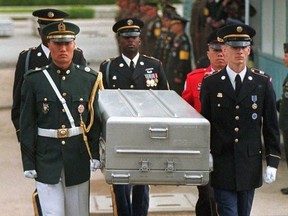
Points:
(237, 35)
(128, 27)
(97, 85)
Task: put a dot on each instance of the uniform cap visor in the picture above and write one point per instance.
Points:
(129, 34)
(238, 43)
(61, 40)
(216, 46)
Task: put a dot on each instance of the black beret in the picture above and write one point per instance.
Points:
(49, 15)
(61, 31)
(237, 35)
(129, 27)
(285, 47)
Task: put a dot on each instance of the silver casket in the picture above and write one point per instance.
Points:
(152, 137)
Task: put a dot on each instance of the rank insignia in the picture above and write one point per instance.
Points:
(45, 108)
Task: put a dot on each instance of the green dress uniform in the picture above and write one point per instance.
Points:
(41, 108)
(31, 59)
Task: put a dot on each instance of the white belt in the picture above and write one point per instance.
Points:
(59, 133)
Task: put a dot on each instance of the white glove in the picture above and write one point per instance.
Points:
(94, 164)
(30, 174)
(210, 162)
(270, 175)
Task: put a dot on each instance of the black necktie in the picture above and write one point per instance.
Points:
(132, 66)
(238, 84)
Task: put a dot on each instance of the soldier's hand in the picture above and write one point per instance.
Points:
(94, 164)
(30, 174)
(270, 175)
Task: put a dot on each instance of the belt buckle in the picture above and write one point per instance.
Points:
(63, 133)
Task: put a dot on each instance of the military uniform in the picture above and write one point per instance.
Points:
(178, 64)
(53, 119)
(32, 58)
(237, 117)
(283, 116)
(36, 57)
(147, 74)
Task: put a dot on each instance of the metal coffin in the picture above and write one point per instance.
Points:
(153, 137)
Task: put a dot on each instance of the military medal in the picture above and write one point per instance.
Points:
(45, 108)
(254, 100)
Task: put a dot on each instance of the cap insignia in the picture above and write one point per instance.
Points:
(50, 14)
(129, 22)
(61, 27)
(239, 29)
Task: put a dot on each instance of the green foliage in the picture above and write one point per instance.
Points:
(80, 12)
(54, 2)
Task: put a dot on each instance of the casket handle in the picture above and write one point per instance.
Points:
(158, 133)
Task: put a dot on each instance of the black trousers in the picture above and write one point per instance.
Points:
(206, 205)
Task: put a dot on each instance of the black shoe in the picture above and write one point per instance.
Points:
(284, 191)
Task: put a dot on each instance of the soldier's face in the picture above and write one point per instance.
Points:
(216, 58)
(236, 55)
(130, 44)
(62, 53)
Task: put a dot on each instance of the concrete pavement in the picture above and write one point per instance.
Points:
(98, 43)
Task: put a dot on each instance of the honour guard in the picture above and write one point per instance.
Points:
(283, 111)
(178, 64)
(36, 57)
(206, 203)
(131, 70)
(240, 103)
(58, 149)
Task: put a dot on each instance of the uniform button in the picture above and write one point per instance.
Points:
(81, 99)
(237, 107)
(45, 99)
(63, 142)
(131, 86)
(58, 71)
(63, 126)
(63, 78)
(236, 140)
(218, 105)
(236, 129)
(63, 110)
(237, 117)
(64, 94)
(68, 72)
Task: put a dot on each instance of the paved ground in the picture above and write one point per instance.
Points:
(98, 43)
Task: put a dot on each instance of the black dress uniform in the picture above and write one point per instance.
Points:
(34, 58)
(239, 119)
(147, 74)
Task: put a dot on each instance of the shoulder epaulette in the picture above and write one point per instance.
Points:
(25, 50)
(259, 72)
(86, 69)
(32, 71)
(211, 74)
(107, 60)
(151, 57)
